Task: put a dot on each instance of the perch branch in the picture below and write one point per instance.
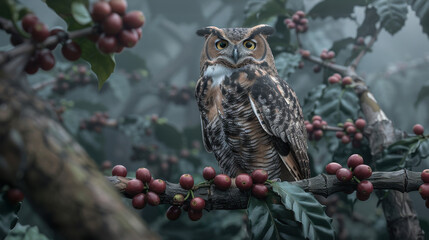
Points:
(324, 185)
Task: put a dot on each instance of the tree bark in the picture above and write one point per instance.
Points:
(324, 185)
(55, 173)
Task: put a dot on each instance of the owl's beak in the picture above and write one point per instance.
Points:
(235, 54)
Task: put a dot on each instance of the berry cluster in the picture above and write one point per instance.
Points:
(178, 95)
(254, 182)
(352, 132)
(327, 55)
(356, 172)
(424, 188)
(75, 77)
(315, 128)
(39, 32)
(143, 189)
(297, 22)
(154, 157)
(96, 122)
(336, 78)
(120, 29)
(418, 129)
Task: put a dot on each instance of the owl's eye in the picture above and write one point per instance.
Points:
(249, 44)
(221, 44)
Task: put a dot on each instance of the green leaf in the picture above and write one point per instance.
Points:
(8, 216)
(337, 104)
(169, 135)
(80, 13)
(393, 14)
(270, 220)
(341, 44)
(423, 93)
(307, 210)
(286, 63)
(101, 64)
(368, 28)
(421, 7)
(311, 100)
(258, 12)
(26, 232)
(330, 8)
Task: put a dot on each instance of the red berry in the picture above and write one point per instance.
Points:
(339, 134)
(259, 176)
(362, 196)
(119, 170)
(243, 181)
(143, 174)
(197, 203)
(304, 53)
(260, 191)
(112, 24)
(157, 186)
(32, 66)
(40, 32)
(152, 198)
(354, 161)
(46, 60)
(295, 18)
(344, 174)
(173, 212)
(365, 187)
(100, 10)
(107, 44)
(358, 136)
(309, 127)
(291, 25)
(139, 201)
(332, 168)
(425, 175)
(178, 199)
(360, 123)
(418, 129)
(331, 54)
(360, 41)
(317, 68)
(333, 80)
(424, 190)
(337, 75)
(347, 80)
(134, 19)
(351, 130)
(300, 13)
(195, 215)
(222, 182)
(71, 51)
(209, 173)
(318, 134)
(347, 124)
(118, 6)
(14, 195)
(128, 38)
(186, 181)
(345, 139)
(362, 171)
(106, 165)
(134, 186)
(316, 117)
(28, 22)
(303, 21)
(317, 124)
(287, 21)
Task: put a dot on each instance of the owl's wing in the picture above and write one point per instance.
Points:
(277, 108)
(200, 93)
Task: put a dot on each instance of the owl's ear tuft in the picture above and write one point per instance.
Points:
(205, 32)
(263, 29)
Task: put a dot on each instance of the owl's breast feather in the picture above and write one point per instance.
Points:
(218, 73)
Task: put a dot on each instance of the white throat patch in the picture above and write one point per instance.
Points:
(218, 73)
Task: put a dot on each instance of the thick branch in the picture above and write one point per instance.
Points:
(324, 185)
(55, 173)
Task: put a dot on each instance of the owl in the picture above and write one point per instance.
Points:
(250, 118)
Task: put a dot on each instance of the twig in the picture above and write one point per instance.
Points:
(364, 50)
(324, 185)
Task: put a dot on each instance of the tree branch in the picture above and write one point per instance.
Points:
(324, 185)
(362, 53)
